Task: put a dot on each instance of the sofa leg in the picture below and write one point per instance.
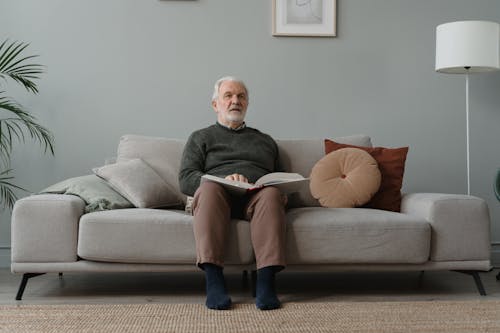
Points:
(420, 279)
(244, 279)
(24, 281)
(498, 276)
(254, 282)
(477, 279)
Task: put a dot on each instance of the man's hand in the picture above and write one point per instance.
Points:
(237, 177)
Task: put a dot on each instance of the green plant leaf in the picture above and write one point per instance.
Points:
(7, 195)
(19, 124)
(15, 67)
(23, 118)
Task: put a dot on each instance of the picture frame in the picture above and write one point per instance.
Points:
(304, 18)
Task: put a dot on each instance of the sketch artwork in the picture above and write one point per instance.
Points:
(304, 12)
(304, 18)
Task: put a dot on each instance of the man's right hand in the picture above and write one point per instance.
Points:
(237, 177)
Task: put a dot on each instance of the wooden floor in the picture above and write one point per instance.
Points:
(93, 288)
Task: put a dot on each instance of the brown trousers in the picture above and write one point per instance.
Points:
(213, 208)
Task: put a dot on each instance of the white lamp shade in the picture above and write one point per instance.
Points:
(467, 46)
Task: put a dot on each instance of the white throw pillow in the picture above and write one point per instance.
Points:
(139, 183)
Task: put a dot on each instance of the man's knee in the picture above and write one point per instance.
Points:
(209, 188)
(273, 195)
(210, 195)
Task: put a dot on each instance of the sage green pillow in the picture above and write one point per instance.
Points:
(96, 193)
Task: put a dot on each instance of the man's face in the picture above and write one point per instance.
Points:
(231, 105)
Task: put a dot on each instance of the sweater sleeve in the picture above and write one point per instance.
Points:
(192, 166)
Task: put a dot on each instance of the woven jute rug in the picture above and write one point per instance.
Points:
(380, 317)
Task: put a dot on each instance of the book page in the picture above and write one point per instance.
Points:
(277, 178)
(227, 181)
(286, 182)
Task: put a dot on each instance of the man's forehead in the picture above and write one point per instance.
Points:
(231, 86)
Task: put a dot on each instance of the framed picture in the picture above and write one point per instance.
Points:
(305, 18)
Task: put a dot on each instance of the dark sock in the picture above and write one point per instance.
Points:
(217, 297)
(266, 298)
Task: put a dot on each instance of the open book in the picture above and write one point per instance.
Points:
(285, 181)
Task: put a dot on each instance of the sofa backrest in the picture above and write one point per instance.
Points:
(300, 156)
(164, 156)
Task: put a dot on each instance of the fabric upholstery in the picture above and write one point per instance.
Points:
(320, 235)
(460, 224)
(152, 236)
(348, 177)
(45, 228)
(391, 163)
(139, 183)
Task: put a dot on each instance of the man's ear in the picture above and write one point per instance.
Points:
(214, 106)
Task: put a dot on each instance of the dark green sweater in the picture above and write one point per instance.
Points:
(220, 151)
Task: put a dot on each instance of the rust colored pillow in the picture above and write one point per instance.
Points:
(391, 163)
(345, 178)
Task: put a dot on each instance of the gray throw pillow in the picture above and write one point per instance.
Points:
(139, 183)
(96, 193)
(161, 154)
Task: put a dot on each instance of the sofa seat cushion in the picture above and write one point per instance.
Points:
(153, 236)
(318, 235)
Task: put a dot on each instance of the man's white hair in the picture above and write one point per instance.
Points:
(224, 79)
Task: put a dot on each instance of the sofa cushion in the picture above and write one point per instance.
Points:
(300, 156)
(139, 183)
(142, 235)
(96, 193)
(161, 154)
(356, 236)
(391, 162)
(347, 177)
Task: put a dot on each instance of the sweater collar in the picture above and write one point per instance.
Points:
(242, 126)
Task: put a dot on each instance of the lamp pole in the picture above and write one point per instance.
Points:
(467, 125)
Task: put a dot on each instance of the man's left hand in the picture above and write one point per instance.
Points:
(237, 177)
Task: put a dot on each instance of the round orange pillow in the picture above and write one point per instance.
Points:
(347, 177)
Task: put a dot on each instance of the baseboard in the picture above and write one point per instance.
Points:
(4, 257)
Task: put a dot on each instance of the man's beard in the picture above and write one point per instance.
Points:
(235, 116)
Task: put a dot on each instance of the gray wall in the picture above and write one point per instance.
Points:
(147, 67)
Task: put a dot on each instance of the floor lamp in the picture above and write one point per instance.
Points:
(467, 47)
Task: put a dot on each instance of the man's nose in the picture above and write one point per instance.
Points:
(235, 99)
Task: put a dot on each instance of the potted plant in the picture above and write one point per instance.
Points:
(16, 123)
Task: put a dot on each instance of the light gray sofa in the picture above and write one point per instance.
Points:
(51, 233)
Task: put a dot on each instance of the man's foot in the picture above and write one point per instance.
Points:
(217, 297)
(265, 290)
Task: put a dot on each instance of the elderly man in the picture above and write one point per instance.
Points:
(231, 150)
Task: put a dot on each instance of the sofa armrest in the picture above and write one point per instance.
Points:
(460, 224)
(45, 228)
